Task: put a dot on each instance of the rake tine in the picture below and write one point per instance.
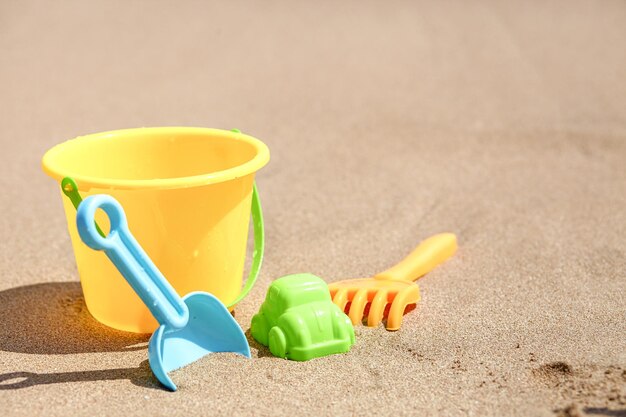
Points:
(377, 308)
(405, 297)
(358, 306)
(341, 298)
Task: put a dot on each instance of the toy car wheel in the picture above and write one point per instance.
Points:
(277, 342)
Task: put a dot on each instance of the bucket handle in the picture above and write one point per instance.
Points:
(259, 246)
(70, 189)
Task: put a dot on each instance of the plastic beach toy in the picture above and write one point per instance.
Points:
(299, 321)
(394, 286)
(190, 194)
(191, 327)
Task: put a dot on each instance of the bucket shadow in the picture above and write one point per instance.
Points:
(140, 376)
(52, 318)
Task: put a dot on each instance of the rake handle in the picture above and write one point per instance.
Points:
(423, 259)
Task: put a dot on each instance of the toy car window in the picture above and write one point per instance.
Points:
(308, 296)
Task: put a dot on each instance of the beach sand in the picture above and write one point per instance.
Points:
(504, 123)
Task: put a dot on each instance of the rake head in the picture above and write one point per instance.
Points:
(378, 293)
(395, 286)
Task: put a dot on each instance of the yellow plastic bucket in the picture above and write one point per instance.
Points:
(187, 193)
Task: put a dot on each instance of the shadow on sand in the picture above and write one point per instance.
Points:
(52, 318)
(262, 351)
(140, 376)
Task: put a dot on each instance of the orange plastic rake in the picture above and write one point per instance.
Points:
(394, 286)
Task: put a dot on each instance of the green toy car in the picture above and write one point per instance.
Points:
(299, 321)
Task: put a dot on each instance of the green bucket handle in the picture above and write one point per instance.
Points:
(259, 246)
(258, 229)
(70, 189)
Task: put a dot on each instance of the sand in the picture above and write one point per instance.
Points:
(502, 122)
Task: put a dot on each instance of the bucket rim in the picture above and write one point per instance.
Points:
(85, 182)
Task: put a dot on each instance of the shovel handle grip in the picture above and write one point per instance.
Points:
(423, 259)
(130, 259)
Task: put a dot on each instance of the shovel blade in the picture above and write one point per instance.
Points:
(211, 328)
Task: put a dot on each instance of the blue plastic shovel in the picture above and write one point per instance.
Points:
(190, 327)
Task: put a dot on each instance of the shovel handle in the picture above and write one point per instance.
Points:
(423, 259)
(130, 259)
